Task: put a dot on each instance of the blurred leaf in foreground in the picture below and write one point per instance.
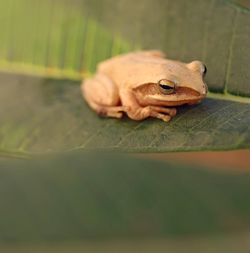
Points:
(76, 196)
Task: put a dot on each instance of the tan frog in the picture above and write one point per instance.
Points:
(144, 84)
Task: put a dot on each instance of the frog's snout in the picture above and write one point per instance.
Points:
(205, 89)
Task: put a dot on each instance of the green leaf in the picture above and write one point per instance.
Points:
(79, 196)
(46, 115)
(68, 38)
(53, 38)
(214, 31)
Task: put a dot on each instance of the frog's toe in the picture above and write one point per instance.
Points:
(166, 118)
(117, 115)
(172, 112)
(169, 111)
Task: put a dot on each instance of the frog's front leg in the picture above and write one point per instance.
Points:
(162, 113)
(102, 96)
(141, 113)
(137, 112)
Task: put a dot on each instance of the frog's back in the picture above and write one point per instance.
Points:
(134, 68)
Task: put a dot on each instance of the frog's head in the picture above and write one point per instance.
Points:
(178, 83)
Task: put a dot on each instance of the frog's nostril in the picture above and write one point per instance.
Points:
(205, 89)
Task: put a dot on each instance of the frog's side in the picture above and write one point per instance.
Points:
(131, 83)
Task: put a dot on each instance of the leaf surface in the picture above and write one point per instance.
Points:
(45, 115)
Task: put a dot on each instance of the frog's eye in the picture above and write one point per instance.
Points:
(167, 86)
(204, 70)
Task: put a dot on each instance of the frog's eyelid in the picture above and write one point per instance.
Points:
(168, 81)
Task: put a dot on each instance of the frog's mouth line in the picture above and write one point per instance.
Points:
(181, 96)
(180, 93)
(187, 92)
(154, 89)
(152, 94)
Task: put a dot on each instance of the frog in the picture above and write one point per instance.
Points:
(144, 84)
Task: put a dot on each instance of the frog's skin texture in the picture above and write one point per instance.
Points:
(130, 84)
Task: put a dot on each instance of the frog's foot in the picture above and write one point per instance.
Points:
(111, 111)
(162, 113)
(107, 111)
